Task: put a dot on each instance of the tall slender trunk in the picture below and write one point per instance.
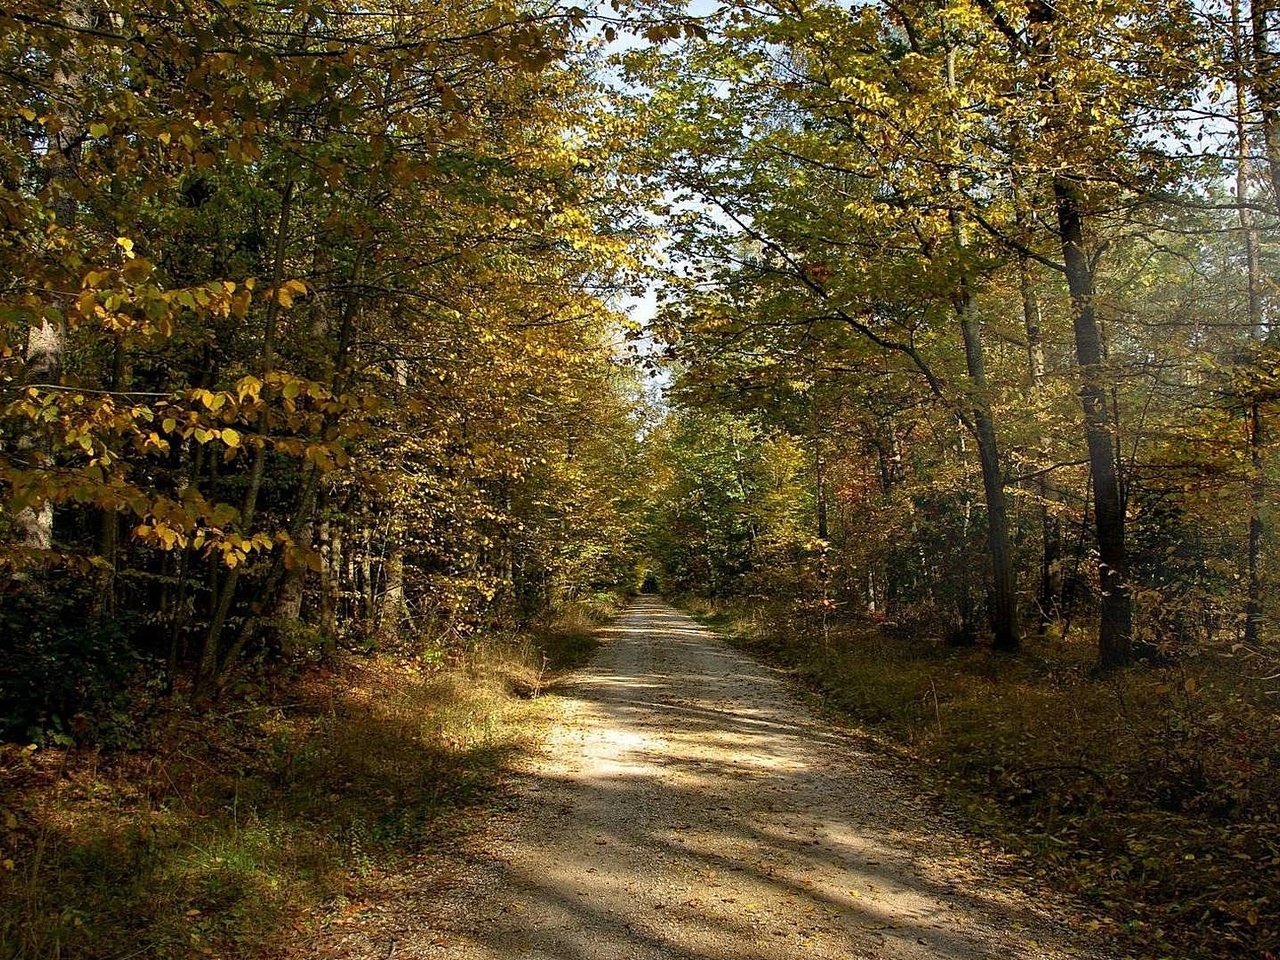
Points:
(391, 606)
(1004, 579)
(209, 664)
(1004, 589)
(1249, 231)
(1050, 529)
(1115, 633)
(1266, 89)
(1257, 499)
(46, 339)
(739, 482)
(1115, 628)
(330, 585)
(824, 547)
(966, 633)
(369, 591)
(820, 493)
(888, 577)
(109, 521)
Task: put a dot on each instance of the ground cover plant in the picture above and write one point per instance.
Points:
(1149, 795)
(237, 830)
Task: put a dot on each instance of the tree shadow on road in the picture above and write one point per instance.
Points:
(711, 816)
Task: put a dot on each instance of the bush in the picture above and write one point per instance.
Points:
(64, 663)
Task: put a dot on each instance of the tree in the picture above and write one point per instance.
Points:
(303, 296)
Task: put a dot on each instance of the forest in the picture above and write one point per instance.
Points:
(359, 361)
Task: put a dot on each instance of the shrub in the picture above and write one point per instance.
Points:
(65, 662)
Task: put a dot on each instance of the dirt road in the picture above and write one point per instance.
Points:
(689, 805)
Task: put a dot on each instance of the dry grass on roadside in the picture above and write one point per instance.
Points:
(225, 834)
(1153, 794)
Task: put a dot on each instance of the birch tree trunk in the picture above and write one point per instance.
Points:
(46, 340)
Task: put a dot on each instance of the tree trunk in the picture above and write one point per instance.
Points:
(368, 590)
(46, 340)
(1004, 579)
(1267, 90)
(391, 606)
(1249, 230)
(109, 521)
(45, 343)
(288, 602)
(1050, 531)
(391, 600)
(1257, 497)
(966, 633)
(210, 669)
(1004, 582)
(824, 547)
(330, 585)
(1115, 634)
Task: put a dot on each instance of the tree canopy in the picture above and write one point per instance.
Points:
(323, 332)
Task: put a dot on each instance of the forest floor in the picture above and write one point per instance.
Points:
(688, 803)
(1148, 795)
(237, 831)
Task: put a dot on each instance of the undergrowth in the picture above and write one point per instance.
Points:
(1153, 795)
(226, 833)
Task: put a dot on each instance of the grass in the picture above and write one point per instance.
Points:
(1153, 795)
(226, 834)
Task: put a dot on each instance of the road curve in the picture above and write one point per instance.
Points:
(688, 805)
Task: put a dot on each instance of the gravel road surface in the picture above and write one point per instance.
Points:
(688, 805)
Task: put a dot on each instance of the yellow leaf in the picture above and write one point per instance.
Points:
(126, 245)
(288, 290)
(137, 269)
(231, 437)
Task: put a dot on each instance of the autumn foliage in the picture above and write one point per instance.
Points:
(313, 343)
(306, 336)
